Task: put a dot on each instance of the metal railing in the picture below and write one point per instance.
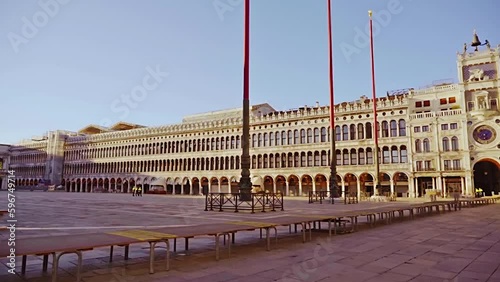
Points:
(232, 201)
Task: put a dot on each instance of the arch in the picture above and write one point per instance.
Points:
(350, 184)
(293, 185)
(170, 185)
(224, 185)
(307, 184)
(268, 184)
(385, 184)
(195, 186)
(401, 184)
(214, 185)
(204, 185)
(487, 176)
(281, 184)
(320, 182)
(366, 184)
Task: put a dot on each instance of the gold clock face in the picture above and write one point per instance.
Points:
(484, 134)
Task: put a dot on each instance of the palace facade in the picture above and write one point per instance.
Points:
(443, 137)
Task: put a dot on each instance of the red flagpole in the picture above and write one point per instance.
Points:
(375, 122)
(333, 156)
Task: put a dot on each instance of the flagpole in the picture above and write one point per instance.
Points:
(245, 182)
(333, 155)
(376, 181)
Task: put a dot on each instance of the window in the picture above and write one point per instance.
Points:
(418, 104)
(283, 138)
(361, 131)
(426, 145)
(361, 156)
(266, 140)
(368, 127)
(425, 128)
(345, 157)
(303, 159)
(427, 103)
(323, 160)
(418, 146)
(323, 134)
(454, 143)
(345, 132)
(427, 165)
(452, 100)
(444, 126)
(316, 135)
(385, 129)
(447, 164)
(394, 128)
(416, 129)
(454, 125)
(338, 156)
(296, 137)
(310, 159)
(456, 164)
(354, 157)
(418, 165)
(254, 140)
(446, 144)
(271, 139)
(309, 136)
(290, 137)
(317, 161)
(443, 101)
(394, 154)
(402, 127)
(278, 138)
(404, 154)
(259, 141)
(352, 130)
(369, 156)
(337, 133)
(386, 155)
(302, 136)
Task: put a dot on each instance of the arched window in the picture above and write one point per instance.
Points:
(302, 136)
(352, 130)
(338, 157)
(368, 127)
(283, 138)
(454, 143)
(309, 136)
(418, 146)
(369, 156)
(345, 157)
(296, 137)
(316, 135)
(426, 145)
(394, 154)
(254, 140)
(385, 129)
(402, 127)
(361, 156)
(361, 131)
(337, 133)
(266, 139)
(259, 140)
(290, 137)
(394, 128)
(345, 132)
(404, 154)
(323, 134)
(354, 157)
(386, 155)
(446, 144)
(277, 137)
(303, 159)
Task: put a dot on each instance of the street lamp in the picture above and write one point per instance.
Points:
(245, 182)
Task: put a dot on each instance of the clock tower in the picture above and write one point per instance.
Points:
(478, 71)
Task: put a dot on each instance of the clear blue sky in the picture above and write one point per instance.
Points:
(73, 69)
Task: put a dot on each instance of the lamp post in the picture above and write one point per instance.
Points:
(245, 182)
(333, 155)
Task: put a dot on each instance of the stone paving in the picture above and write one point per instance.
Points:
(457, 246)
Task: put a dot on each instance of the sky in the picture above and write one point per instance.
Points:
(65, 64)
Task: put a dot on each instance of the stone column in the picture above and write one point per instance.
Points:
(287, 189)
(300, 187)
(358, 188)
(392, 187)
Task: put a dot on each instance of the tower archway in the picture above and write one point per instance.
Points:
(487, 176)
